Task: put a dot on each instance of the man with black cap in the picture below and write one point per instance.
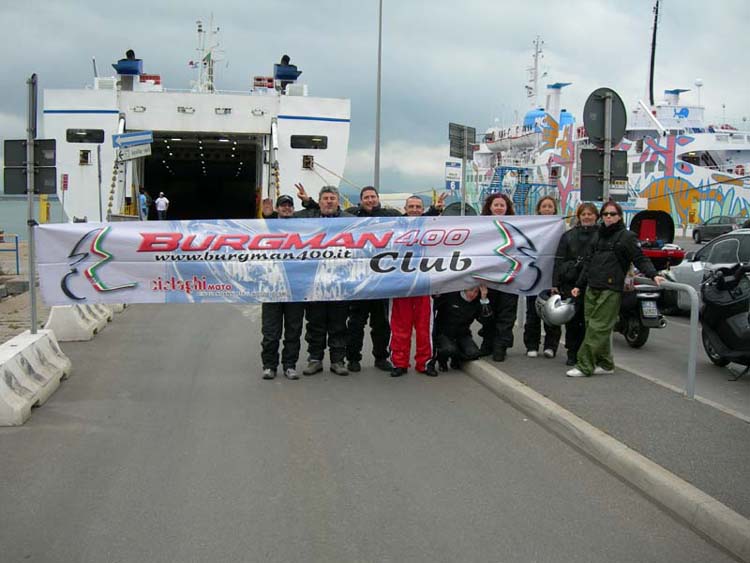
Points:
(278, 316)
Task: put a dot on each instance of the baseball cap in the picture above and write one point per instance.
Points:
(285, 200)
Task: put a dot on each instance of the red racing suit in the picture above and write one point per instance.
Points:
(405, 313)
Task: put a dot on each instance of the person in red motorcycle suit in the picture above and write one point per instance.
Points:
(407, 313)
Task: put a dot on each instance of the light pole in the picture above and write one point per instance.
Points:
(376, 182)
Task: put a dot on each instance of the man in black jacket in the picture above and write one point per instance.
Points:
(375, 309)
(276, 317)
(326, 320)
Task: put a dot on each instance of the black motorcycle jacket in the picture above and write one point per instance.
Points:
(574, 247)
(614, 249)
(454, 315)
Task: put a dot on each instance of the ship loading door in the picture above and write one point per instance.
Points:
(204, 175)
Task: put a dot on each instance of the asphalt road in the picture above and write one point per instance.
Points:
(165, 445)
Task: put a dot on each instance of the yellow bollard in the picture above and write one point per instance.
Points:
(43, 208)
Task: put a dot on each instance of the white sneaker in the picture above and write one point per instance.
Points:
(532, 353)
(549, 353)
(291, 373)
(575, 372)
(599, 370)
(269, 373)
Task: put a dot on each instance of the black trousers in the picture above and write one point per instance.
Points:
(326, 326)
(275, 319)
(459, 348)
(497, 330)
(575, 330)
(532, 329)
(380, 330)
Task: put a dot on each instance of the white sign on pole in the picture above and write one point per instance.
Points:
(452, 175)
(135, 151)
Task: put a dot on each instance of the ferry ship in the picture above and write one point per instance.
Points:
(677, 162)
(215, 154)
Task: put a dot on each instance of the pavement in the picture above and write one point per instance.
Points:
(685, 455)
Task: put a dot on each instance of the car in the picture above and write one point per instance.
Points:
(724, 250)
(715, 226)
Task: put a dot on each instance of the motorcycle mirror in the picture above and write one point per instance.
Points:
(690, 255)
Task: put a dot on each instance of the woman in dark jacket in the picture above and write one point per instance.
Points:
(497, 330)
(603, 275)
(572, 250)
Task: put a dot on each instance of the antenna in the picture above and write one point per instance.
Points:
(208, 44)
(532, 88)
(96, 72)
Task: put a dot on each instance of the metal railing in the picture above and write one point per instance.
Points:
(14, 249)
(692, 350)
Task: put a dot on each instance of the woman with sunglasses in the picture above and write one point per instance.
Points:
(497, 330)
(603, 276)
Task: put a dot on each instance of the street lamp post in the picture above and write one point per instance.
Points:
(376, 182)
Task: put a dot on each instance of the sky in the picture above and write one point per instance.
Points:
(443, 61)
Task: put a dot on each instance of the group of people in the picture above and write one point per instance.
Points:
(591, 263)
(161, 204)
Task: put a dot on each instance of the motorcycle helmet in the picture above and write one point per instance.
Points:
(553, 309)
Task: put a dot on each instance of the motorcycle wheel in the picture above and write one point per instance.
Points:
(636, 334)
(712, 354)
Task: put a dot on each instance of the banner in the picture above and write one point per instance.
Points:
(324, 259)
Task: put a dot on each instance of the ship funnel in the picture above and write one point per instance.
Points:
(552, 106)
(672, 97)
(127, 69)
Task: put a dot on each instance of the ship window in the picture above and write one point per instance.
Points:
(660, 166)
(636, 168)
(84, 157)
(648, 167)
(84, 135)
(309, 142)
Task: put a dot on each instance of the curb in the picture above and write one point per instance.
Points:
(702, 512)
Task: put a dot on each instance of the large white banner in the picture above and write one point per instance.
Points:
(292, 259)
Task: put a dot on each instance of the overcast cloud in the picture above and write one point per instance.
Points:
(442, 60)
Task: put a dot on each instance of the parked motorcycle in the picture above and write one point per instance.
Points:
(639, 313)
(724, 316)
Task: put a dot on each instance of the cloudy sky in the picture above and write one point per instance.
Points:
(442, 60)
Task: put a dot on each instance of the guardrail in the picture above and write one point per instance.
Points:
(692, 350)
(14, 249)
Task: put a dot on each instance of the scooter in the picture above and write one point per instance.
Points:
(639, 313)
(724, 316)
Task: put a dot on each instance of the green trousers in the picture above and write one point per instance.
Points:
(601, 308)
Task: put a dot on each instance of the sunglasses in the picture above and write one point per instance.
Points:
(610, 214)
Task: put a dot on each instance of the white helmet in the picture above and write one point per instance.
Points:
(553, 309)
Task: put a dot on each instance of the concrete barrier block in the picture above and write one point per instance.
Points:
(118, 307)
(104, 311)
(3, 291)
(70, 324)
(91, 313)
(31, 368)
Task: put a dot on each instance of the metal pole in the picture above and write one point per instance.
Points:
(607, 145)
(30, 136)
(376, 181)
(463, 185)
(99, 167)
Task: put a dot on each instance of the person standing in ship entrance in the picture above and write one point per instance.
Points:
(572, 250)
(143, 202)
(326, 320)
(603, 276)
(280, 317)
(532, 328)
(162, 204)
(413, 312)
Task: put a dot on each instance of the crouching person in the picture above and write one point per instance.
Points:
(455, 312)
